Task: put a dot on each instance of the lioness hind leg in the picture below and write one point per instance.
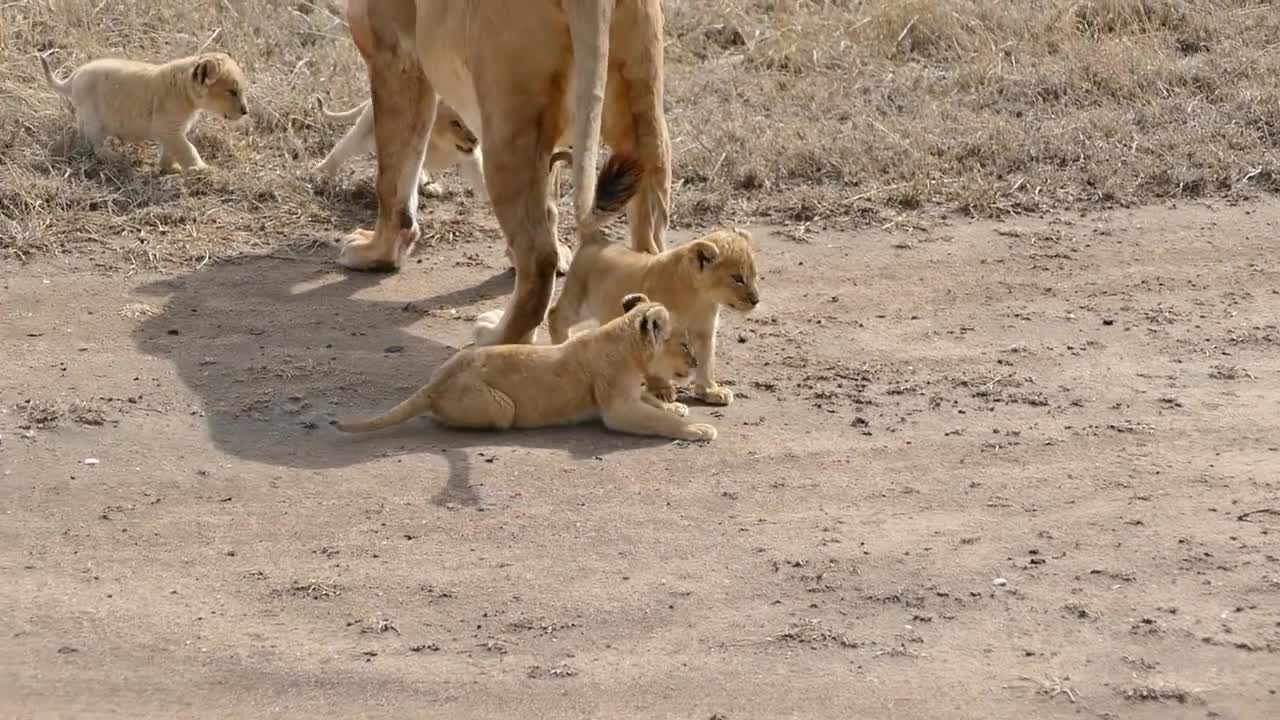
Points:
(473, 404)
(518, 149)
(634, 120)
(404, 109)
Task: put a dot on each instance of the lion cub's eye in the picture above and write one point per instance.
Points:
(737, 277)
(233, 93)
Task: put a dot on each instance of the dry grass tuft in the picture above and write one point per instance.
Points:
(819, 112)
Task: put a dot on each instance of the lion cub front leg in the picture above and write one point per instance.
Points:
(472, 168)
(703, 344)
(177, 150)
(638, 417)
(672, 407)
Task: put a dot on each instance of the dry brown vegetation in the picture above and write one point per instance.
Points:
(800, 111)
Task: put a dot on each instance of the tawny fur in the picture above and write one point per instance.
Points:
(597, 374)
(525, 74)
(692, 280)
(451, 143)
(136, 101)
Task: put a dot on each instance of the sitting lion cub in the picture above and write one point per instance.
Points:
(692, 280)
(598, 373)
(451, 143)
(137, 101)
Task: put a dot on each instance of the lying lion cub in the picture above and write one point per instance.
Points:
(692, 280)
(598, 373)
(137, 101)
(451, 143)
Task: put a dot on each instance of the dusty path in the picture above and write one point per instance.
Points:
(1086, 409)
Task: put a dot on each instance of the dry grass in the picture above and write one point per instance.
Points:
(830, 112)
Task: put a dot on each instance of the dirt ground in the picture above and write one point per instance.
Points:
(1006, 441)
(981, 470)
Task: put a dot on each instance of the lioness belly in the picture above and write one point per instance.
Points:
(442, 51)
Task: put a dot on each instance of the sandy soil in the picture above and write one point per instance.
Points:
(982, 470)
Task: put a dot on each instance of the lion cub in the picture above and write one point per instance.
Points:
(137, 101)
(597, 373)
(451, 143)
(692, 280)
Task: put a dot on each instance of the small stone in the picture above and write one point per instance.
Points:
(90, 461)
(999, 582)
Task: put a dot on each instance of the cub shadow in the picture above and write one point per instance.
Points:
(275, 350)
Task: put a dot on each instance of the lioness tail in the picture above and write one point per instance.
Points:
(615, 186)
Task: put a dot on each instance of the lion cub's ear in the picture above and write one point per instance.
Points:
(205, 72)
(655, 326)
(633, 299)
(705, 252)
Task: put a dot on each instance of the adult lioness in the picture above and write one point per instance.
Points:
(510, 69)
(598, 373)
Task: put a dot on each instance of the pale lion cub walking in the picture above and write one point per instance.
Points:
(138, 101)
(450, 143)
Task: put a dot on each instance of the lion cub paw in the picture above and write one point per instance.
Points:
(700, 431)
(664, 392)
(674, 407)
(715, 395)
(430, 188)
(485, 329)
(564, 256)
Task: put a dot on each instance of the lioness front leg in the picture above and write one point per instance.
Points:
(639, 418)
(703, 344)
(404, 109)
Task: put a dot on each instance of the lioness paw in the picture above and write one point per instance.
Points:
(701, 431)
(715, 395)
(360, 251)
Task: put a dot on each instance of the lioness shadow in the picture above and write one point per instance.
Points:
(277, 349)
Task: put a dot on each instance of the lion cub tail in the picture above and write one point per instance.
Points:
(413, 406)
(615, 186)
(340, 115)
(62, 87)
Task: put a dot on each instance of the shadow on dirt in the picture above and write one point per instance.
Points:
(277, 349)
